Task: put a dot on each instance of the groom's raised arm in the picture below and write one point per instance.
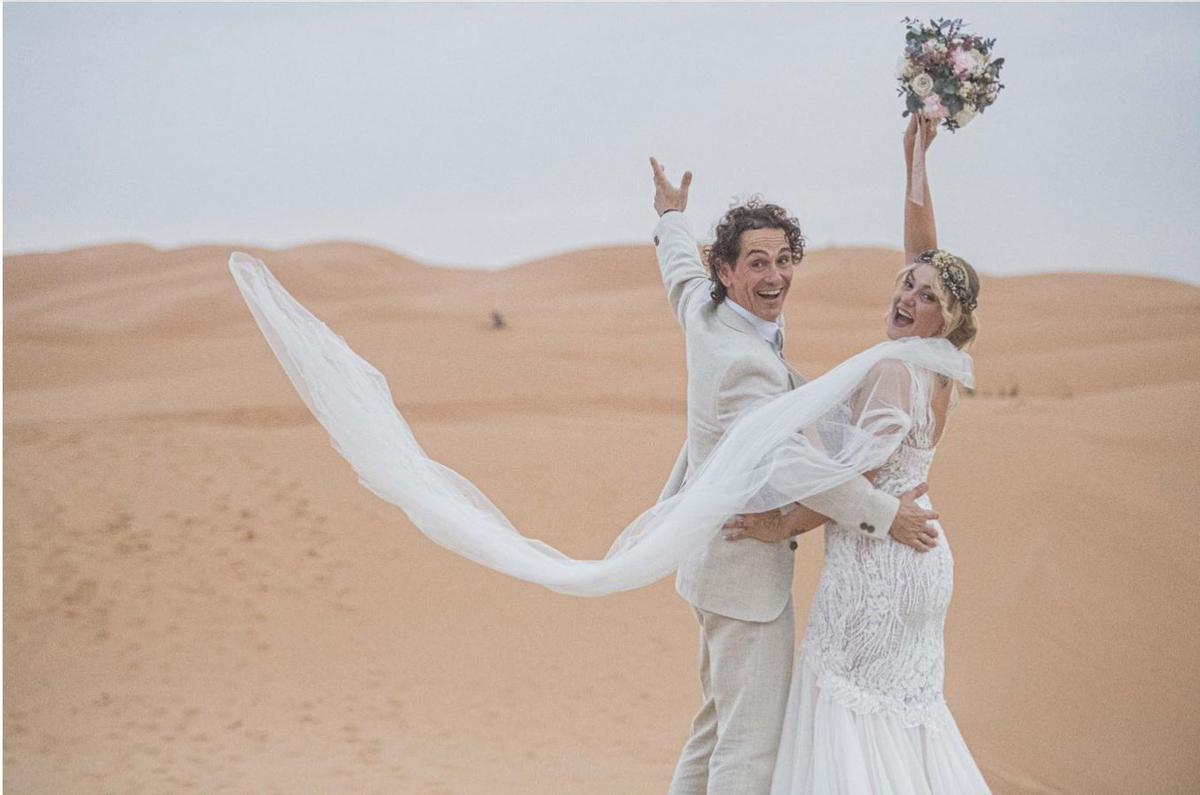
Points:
(683, 273)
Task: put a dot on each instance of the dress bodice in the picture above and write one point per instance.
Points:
(874, 635)
(906, 468)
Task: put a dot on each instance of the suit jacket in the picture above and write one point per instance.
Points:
(731, 367)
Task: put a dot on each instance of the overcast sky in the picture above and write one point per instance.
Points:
(490, 134)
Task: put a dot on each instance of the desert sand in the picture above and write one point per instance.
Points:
(199, 597)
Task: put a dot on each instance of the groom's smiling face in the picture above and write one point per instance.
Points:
(760, 278)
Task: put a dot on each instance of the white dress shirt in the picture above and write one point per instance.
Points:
(767, 329)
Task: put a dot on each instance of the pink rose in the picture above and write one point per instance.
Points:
(963, 61)
(932, 107)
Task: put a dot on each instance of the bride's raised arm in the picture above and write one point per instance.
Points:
(920, 231)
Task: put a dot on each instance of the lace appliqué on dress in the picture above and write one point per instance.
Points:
(875, 632)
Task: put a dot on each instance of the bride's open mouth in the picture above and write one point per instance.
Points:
(901, 318)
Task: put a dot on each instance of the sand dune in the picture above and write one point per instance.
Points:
(199, 597)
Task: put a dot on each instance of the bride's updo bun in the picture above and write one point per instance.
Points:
(958, 294)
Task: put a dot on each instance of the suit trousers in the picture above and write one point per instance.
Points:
(745, 671)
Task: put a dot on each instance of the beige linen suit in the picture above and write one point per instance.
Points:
(739, 591)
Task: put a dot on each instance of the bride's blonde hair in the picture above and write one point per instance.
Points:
(957, 289)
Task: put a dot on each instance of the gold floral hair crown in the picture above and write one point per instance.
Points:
(954, 278)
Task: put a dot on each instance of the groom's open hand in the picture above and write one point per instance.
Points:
(667, 196)
(775, 525)
(767, 527)
(910, 527)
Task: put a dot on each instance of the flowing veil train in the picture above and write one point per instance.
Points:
(801, 443)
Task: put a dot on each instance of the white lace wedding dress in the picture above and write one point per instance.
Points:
(866, 712)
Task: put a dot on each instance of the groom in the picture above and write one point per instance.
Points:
(741, 592)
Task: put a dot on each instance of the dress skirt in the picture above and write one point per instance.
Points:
(830, 748)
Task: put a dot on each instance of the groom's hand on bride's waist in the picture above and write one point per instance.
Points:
(767, 527)
(773, 526)
(910, 527)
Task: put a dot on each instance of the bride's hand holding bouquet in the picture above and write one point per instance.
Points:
(946, 77)
(928, 130)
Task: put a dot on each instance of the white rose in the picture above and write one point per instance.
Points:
(922, 84)
(964, 116)
(903, 68)
(980, 61)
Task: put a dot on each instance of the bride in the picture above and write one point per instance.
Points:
(865, 713)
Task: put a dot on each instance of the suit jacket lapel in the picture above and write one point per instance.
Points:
(739, 323)
(734, 320)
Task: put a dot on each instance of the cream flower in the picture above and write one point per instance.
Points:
(964, 116)
(904, 68)
(922, 84)
(980, 61)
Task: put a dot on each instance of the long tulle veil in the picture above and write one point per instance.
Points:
(802, 443)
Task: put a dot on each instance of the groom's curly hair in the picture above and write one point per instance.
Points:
(726, 245)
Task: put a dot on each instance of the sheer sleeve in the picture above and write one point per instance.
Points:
(882, 403)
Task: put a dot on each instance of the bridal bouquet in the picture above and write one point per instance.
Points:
(945, 74)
